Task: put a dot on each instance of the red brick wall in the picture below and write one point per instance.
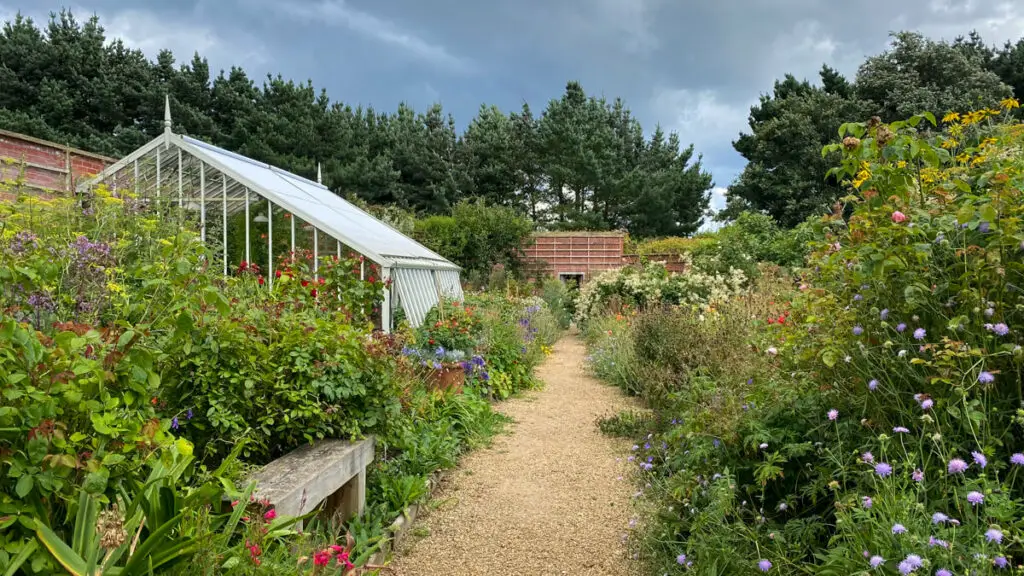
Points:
(45, 166)
(574, 253)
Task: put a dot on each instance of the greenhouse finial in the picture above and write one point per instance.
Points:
(167, 113)
(319, 174)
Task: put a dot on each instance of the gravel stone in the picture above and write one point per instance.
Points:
(545, 499)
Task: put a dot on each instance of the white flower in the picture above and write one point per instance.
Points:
(772, 351)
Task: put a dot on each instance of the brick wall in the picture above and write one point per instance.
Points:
(586, 253)
(44, 166)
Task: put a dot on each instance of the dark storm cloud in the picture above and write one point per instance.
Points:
(692, 66)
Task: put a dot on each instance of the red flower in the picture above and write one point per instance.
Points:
(322, 281)
(270, 515)
(313, 292)
(372, 279)
(771, 320)
(260, 280)
(243, 265)
(277, 274)
(782, 319)
(322, 558)
(305, 283)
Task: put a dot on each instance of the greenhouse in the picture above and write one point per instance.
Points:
(248, 211)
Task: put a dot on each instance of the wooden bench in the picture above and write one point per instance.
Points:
(331, 471)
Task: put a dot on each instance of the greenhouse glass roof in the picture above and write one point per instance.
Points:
(216, 185)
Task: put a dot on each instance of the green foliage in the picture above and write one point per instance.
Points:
(865, 410)
(672, 245)
(450, 326)
(477, 236)
(559, 301)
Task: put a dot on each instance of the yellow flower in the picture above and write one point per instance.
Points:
(1009, 103)
(862, 177)
(950, 117)
(949, 143)
(987, 142)
(977, 160)
(901, 164)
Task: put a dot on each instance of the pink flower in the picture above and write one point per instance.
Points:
(898, 216)
(270, 515)
(322, 558)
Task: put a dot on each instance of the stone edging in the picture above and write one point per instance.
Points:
(399, 529)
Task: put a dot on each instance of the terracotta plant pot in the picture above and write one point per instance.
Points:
(449, 378)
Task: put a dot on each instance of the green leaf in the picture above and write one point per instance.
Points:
(930, 117)
(96, 482)
(27, 549)
(67, 558)
(988, 213)
(24, 485)
(965, 214)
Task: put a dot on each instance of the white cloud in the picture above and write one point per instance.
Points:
(718, 198)
(700, 117)
(339, 13)
(1002, 20)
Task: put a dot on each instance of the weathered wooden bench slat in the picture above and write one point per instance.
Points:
(330, 470)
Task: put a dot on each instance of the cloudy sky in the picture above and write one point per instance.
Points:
(692, 66)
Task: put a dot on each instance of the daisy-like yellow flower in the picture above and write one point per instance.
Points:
(949, 143)
(950, 117)
(901, 164)
(1009, 103)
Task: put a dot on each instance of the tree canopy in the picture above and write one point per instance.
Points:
(582, 162)
(784, 176)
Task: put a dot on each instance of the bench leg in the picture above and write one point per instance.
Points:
(350, 500)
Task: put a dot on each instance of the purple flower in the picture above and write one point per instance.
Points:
(764, 565)
(857, 297)
(873, 385)
(188, 415)
(857, 330)
(939, 518)
(876, 561)
(933, 542)
(979, 459)
(927, 404)
(1001, 329)
(681, 559)
(174, 423)
(956, 466)
(986, 377)
(866, 502)
(884, 314)
(990, 312)
(1000, 562)
(635, 447)
(900, 430)
(909, 564)
(918, 475)
(1017, 459)
(867, 457)
(975, 497)
(883, 469)
(983, 227)
(901, 327)
(943, 572)
(994, 535)
(833, 414)
(647, 445)
(899, 529)
(919, 334)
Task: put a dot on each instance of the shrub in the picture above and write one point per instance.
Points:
(477, 236)
(559, 302)
(875, 425)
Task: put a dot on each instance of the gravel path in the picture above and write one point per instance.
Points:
(545, 499)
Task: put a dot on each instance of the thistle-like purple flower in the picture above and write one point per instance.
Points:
(884, 314)
(918, 475)
(974, 497)
(1017, 459)
(939, 518)
(764, 565)
(900, 430)
(927, 404)
(979, 459)
(857, 297)
(868, 457)
(986, 377)
(876, 561)
(1000, 562)
(681, 559)
(899, 529)
(1001, 329)
(901, 327)
(866, 502)
(956, 466)
(919, 334)
(833, 414)
(994, 535)
(943, 572)
(883, 469)
(858, 330)
(873, 385)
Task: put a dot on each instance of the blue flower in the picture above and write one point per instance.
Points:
(174, 423)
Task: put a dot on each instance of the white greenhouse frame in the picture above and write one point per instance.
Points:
(230, 182)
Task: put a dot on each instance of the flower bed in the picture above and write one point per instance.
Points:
(126, 358)
(866, 418)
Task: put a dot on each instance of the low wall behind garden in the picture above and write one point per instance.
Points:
(44, 166)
